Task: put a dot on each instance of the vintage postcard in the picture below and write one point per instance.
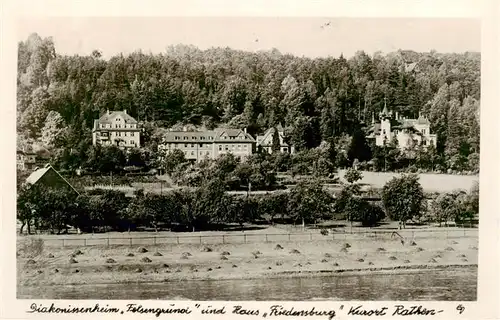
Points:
(318, 161)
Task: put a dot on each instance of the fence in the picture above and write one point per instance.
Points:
(242, 238)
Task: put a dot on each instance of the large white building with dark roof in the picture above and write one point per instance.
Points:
(198, 145)
(408, 132)
(116, 128)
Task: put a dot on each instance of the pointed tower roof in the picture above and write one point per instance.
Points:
(385, 111)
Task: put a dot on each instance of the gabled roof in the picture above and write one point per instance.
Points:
(209, 135)
(232, 133)
(36, 175)
(269, 132)
(108, 117)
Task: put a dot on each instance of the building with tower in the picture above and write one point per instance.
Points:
(407, 132)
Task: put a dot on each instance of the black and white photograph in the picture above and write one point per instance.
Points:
(248, 158)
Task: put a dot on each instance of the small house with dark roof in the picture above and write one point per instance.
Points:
(50, 178)
(198, 145)
(265, 141)
(116, 128)
(407, 132)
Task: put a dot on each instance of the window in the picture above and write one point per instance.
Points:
(383, 131)
(185, 145)
(192, 145)
(131, 134)
(185, 138)
(102, 126)
(201, 145)
(132, 142)
(177, 138)
(239, 146)
(220, 147)
(119, 134)
(226, 147)
(423, 131)
(193, 137)
(285, 149)
(192, 153)
(125, 134)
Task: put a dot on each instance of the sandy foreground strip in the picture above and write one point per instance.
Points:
(124, 264)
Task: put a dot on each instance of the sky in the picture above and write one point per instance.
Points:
(298, 36)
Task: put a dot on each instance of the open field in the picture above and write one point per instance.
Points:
(431, 182)
(40, 265)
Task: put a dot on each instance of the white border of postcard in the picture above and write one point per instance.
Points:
(487, 306)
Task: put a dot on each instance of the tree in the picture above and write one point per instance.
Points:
(358, 209)
(29, 198)
(276, 147)
(54, 130)
(135, 158)
(403, 198)
(172, 160)
(448, 206)
(111, 159)
(274, 204)
(308, 201)
(358, 148)
(52, 208)
(152, 209)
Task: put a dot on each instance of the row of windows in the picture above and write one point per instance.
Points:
(131, 142)
(233, 147)
(201, 153)
(117, 126)
(207, 138)
(201, 145)
(193, 138)
(118, 134)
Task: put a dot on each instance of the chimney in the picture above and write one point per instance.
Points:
(245, 130)
(184, 128)
(397, 116)
(125, 111)
(107, 111)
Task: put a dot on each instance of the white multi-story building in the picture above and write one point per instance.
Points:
(116, 128)
(408, 132)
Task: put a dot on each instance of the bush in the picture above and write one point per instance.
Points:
(353, 175)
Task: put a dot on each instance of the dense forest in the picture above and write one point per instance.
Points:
(324, 99)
